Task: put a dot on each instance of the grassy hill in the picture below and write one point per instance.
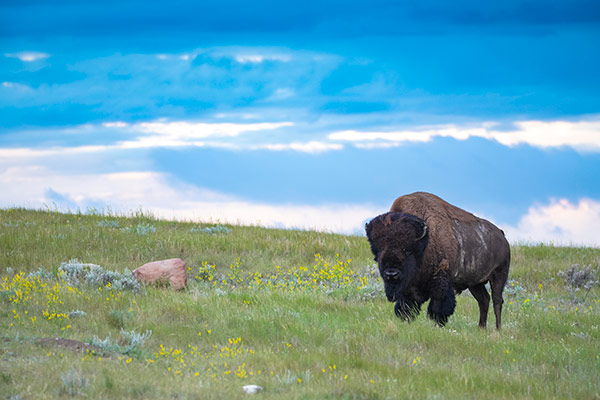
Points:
(302, 314)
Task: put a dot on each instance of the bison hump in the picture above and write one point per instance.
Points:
(428, 207)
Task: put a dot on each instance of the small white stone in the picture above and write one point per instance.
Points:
(252, 389)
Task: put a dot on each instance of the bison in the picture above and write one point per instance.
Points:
(427, 249)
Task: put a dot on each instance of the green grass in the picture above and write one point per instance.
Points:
(341, 341)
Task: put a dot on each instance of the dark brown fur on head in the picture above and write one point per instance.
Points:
(396, 229)
(397, 241)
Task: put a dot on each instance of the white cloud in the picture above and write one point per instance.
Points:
(244, 54)
(158, 134)
(304, 147)
(13, 155)
(582, 135)
(116, 124)
(560, 222)
(155, 135)
(36, 186)
(196, 130)
(259, 58)
(183, 133)
(250, 58)
(174, 134)
(367, 136)
(377, 145)
(16, 155)
(126, 190)
(28, 56)
(18, 87)
(234, 115)
(281, 94)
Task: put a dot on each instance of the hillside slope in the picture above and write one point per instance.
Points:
(302, 314)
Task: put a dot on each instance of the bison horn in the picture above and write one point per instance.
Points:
(424, 233)
(387, 220)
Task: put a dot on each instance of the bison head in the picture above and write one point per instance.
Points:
(397, 241)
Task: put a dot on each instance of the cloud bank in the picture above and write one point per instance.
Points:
(560, 222)
(28, 56)
(165, 197)
(582, 135)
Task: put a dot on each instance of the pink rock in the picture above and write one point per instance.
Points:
(172, 271)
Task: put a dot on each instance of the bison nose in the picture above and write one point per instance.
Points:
(392, 275)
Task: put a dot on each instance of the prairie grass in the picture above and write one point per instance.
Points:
(262, 309)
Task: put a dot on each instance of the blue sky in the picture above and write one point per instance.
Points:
(305, 114)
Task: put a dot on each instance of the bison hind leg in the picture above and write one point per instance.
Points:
(483, 299)
(497, 282)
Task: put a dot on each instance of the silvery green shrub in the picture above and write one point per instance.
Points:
(135, 339)
(77, 313)
(140, 229)
(213, 230)
(76, 273)
(579, 277)
(131, 339)
(74, 383)
(106, 223)
(40, 273)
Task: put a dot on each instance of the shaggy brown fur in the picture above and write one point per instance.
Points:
(427, 249)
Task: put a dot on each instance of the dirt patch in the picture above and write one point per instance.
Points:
(70, 344)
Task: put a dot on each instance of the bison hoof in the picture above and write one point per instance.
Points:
(440, 311)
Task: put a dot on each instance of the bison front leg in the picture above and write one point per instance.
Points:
(443, 299)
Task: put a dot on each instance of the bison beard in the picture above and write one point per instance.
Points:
(428, 249)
